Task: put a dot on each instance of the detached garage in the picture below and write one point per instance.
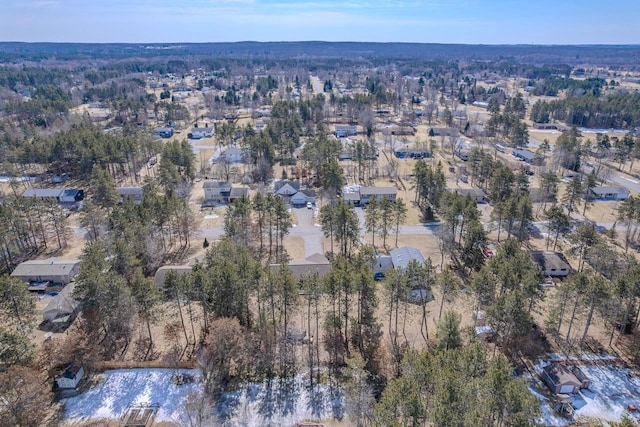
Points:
(564, 380)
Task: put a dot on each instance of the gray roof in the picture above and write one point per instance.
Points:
(473, 192)
(45, 267)
(217, 184)
(62, 304)
(129, 191)
(238, 192)
(610, 190)
(370, 191)
(401, 256)
(549, 260)
(313, 264)
(43, 192)
(277, 185)
(525, 154)
(351, 197)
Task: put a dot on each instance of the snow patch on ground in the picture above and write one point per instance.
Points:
(282, 402)
(612, 390)
(124, 387)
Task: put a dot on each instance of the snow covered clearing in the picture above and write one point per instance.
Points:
(121, 388)
(612, 390)
(280, 402)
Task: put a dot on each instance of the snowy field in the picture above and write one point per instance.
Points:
(607, 399)
(283, 402)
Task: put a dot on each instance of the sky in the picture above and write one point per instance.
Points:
(426, 21)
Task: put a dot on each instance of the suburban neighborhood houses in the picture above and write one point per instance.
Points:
(319, 234)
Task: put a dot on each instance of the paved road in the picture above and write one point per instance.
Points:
(318, 86)
(625, 181)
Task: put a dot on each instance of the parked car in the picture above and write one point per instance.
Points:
(309, 205)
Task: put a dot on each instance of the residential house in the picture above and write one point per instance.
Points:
(609, 193)
(401, 257)
(378, 193)
(59, 195)
(316, 264)
(164, 132)
(136, 194)
(58, 272)
(222, 192)
(563, 379)
(286, 188)
(412, 153)
(343, 131)
(233, 155)
(476, 194)
(553, 264)
(526, 156)
(71, 376)
(363, 195)
(301, 198)
(201, 132)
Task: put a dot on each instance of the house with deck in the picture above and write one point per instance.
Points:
(222, 192)
(54, 271)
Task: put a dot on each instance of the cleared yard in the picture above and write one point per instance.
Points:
(281, 402)
(612, 389)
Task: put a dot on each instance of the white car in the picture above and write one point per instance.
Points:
(309, 205)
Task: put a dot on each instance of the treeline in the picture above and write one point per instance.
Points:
(46, 104)
(552, 85)
(29, 226)
(616, 110)
(77, 150)
(13, 77)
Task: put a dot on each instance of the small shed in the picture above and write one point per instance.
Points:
(71, 376)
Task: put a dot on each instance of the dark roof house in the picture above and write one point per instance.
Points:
(563, 379)
(553, 264)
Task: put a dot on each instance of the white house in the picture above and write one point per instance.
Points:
(71, 376)
(199, 132)
(233, 155)
(301, 198)
(610, 193)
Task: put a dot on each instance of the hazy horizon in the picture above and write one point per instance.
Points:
(498, 22)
